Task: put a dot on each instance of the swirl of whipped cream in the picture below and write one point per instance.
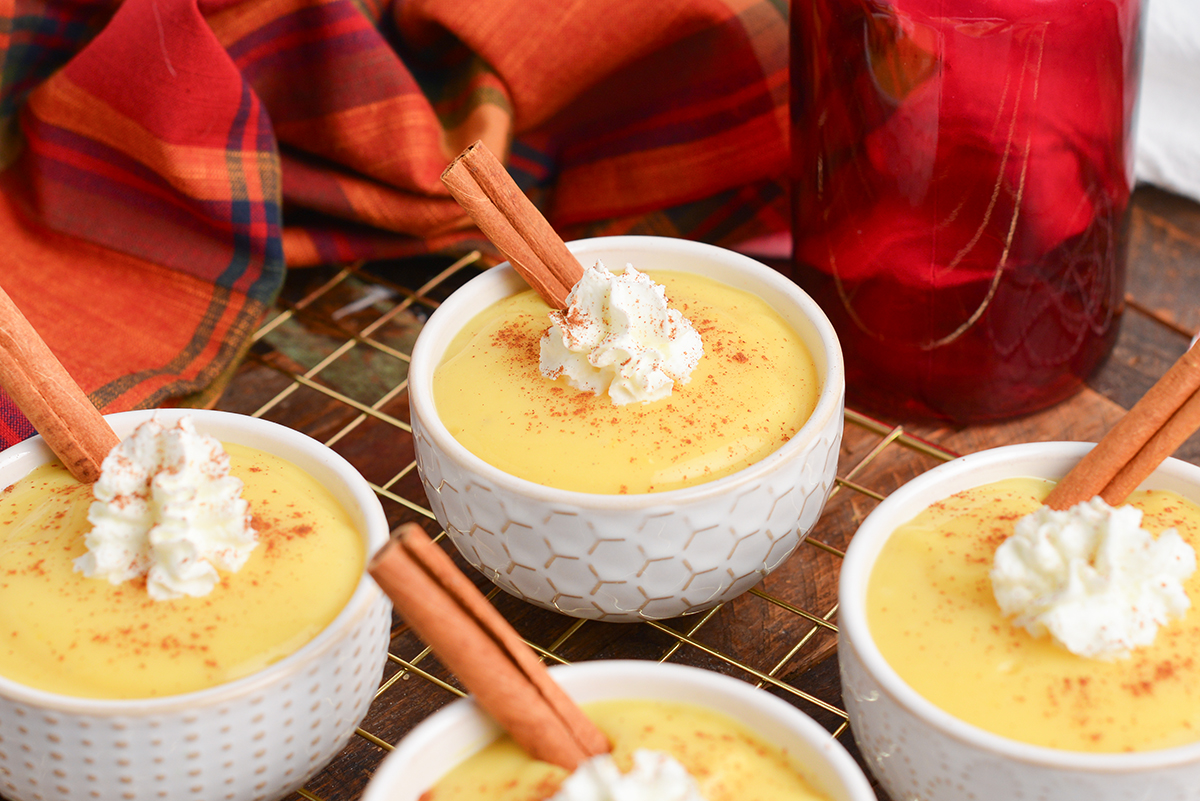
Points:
(617, 335)
(655, 776)
(1092, 578)
(166, 508)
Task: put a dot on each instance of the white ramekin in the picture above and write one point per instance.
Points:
(919, 751)
(260, 737)
(458, 730)
(632, 557)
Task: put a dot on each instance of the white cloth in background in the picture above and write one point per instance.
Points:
(1168, 131)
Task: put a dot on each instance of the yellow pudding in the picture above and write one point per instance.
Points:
(728, 762)
(753, 390)
(932, 613)
(65, 633)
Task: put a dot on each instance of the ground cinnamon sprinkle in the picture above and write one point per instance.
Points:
(515, 338)
(546, 413)
(1106, 704)
(117, 623)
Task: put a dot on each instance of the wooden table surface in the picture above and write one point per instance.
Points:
(332, 362)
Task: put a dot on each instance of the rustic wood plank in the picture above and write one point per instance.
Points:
(1164, 274)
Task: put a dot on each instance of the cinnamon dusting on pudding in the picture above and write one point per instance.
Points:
(947, 624)
(114, 641)
(749, 395)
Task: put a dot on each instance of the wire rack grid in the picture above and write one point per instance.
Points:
(331, 360)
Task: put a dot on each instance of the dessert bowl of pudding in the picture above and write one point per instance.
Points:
(640, 509)
(1087, 692)
(243, 692)
(734, 740)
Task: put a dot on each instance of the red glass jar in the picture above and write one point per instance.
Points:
(961, 174)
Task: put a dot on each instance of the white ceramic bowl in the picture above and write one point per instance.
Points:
(457, 731)
(632, 557)
(917, 750)
(260, 737)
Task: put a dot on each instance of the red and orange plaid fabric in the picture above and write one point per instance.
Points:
(163, 161)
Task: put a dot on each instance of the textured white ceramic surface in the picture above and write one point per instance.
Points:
(632, 557)
(460, 729)
(260, 737)
(916, 750)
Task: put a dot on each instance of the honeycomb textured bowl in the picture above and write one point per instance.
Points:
(915, 749)
(260, 737)
(460, 729)
(632, 557)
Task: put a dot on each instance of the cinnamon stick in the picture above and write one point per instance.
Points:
(43, 390)
(1165, 441)
(478, 645)
(1149, 432)
(481, 185)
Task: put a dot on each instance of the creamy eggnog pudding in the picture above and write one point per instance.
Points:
(725, 760)
(752, 390)
(932, 611)
(66, 633)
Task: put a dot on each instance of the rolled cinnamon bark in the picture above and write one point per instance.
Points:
(41, 387)
(479, 646)
(1162, 444)
(1115, 453)
(485, 190)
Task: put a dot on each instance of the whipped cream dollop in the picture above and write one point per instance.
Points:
(617, 335)
(1092, 578)
(166, 508)
(655, 777)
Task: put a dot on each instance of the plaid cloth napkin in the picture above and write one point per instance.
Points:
(163, 161)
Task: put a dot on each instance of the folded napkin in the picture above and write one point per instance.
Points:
(163, 163)
(1168, 131)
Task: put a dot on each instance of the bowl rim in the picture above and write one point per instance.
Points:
(448, 316)
(365, 592)
(706, 683)
(1054, 459)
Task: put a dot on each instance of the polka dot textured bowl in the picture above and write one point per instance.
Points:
(460, 729)
(915, 749)
(260, 737)
(632, 557)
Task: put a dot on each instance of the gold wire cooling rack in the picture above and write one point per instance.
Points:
(331, 360)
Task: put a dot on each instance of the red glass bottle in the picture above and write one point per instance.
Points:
(961, 174)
